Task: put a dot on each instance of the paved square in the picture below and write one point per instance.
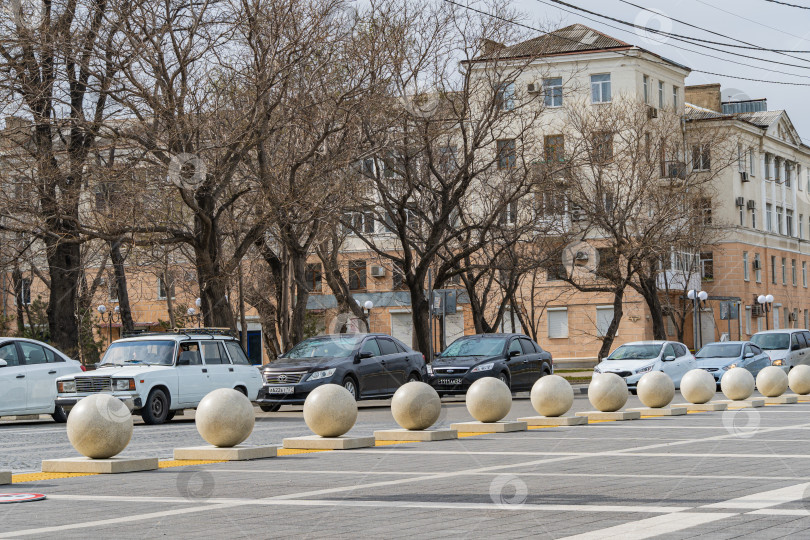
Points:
(728, 474)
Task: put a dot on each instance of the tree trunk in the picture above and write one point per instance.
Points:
(216, 309)
(64, 266)
(298, 312)
(17, 286)
(124, 309)
(648, 288)
(610, 335)
(420, 315)
(242, 317)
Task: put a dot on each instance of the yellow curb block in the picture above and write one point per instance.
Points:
(388, 443)
(291, 452)
(37, 477)
(470, 434)
(184, 462)
(599, 421)
(540, 427)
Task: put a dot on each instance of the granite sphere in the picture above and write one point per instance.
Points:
(772, 381)
(225, 417)
(489, 400)
(607, 392)
(698, 386)
(416, 405)
(330, 410)
(799, 379)
(99, 426)
(655, 389)
(552, 396)
(737, 383)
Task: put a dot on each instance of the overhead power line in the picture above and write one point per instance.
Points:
(787, 4)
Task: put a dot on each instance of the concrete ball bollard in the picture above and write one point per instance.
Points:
(330, 410)
(607, 392)
(99, 426)
(489, 400)
(225, 417)
(737, 384)
(772, 381)
(799, 379)
(655, 389)
(698, 386)
(552, 396)
(416, 406)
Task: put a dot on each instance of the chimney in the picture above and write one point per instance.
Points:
(704, 95)
(488, 47)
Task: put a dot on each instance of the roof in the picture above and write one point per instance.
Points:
(761, 119)
(573, 39)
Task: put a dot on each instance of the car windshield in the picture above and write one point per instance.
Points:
(636, 352)
(475, 346)
(719, 350)
(770, 342)
(140, 352)
(325, 347)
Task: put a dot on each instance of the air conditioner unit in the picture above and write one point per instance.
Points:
(377, 271)
(757, 265)
(757, 310)
(740, 201)
(791, 317)
(744, 176)
(751, 204)
(652, 112)
(533, 88)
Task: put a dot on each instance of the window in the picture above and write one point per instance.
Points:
(800, 226)
(753, 219)
(509, 214)
(804, 274)
(556, 271)
(701, 158)
(506, 154)
(602, 147)
(768, 167)
(8, 352)
(357, 275)
(757, 268)
(557, 323)
(748, 320)
(313, 276)
(358, 221)
(604, 316)
(214, 353)
(779, 228)
(706, 210)
(789, 222)
(793, 270)
(606, 266)
(554, 148)
(745, 266)
(660, 94)
(675, 97)
(371, 346)
(742, 217)
(505, 97)
(707, 265)
(387, 346)
(32, 353)
(773, 269)
(777, 169)
(237, 354)
(24, 293)
(398, 276)
(646, 83)
(784, 271)
(600, 88)
(751, 162)
(788, 168)
(806, 322)
(553, 92)
(769, 217)
(162, 290)
(740, 158)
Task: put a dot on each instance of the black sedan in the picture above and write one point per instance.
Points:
(513, 358)
(370, 366)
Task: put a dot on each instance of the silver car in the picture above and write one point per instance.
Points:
(717, 358)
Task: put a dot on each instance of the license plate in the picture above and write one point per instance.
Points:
(449, 382)
(280, 390)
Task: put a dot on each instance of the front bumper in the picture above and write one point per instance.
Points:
(68, 401)
(299, 393)
(456, 383)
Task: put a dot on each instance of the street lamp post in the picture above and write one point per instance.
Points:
(367, 310)
(195, 314)
(766, 300)
(109, 318)
(697, 297)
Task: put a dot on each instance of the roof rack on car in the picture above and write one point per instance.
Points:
(208, 331)
(137, 333)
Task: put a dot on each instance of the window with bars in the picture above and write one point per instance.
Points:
(554, 148)
(357, 275)
(707, 265)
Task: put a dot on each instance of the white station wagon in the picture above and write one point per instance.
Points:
(159, 374)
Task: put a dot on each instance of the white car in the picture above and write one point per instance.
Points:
(28, 372)
(786, 348)
(159, 374)
(632, 360)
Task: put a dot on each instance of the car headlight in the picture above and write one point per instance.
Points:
(597, 370)
(429, 369)
(778, 362)
(323, 374)
(645, 369)
(730, 366)
(124, 384)
(483, 367)
(66, 386)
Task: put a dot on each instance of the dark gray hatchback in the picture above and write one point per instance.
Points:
(368, 365)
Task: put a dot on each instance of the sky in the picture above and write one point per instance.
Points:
(761, 23)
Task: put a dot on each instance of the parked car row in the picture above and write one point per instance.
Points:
(160, 374)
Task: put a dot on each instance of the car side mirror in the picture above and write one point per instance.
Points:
(515, 353)
(3, 363)
(749, 355)
(669, 358)
(365, 354)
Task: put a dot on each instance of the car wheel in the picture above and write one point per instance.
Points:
(156, 409)
(59, 415)
(242, 390)
(413, 377)
(270, 408)
(351, 386)
(633, 391)
(504, 378)
(170, 415)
